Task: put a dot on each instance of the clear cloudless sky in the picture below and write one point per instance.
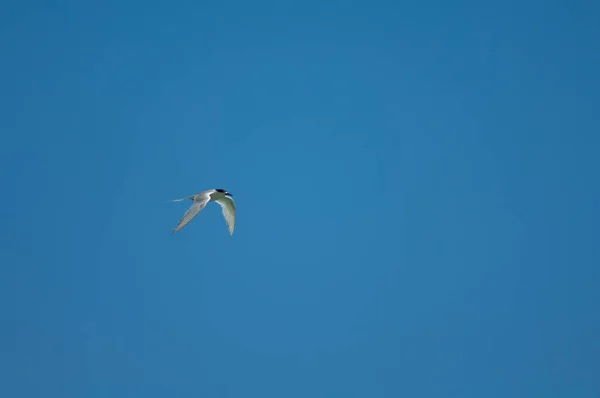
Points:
(416, 186)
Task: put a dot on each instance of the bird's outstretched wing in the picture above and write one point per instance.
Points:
(228, 208)
(199, 203)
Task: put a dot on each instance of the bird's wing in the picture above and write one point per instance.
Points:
(228, 208)
(199, 202)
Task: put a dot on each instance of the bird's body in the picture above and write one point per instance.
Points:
(222, 197)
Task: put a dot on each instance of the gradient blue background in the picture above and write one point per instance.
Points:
(416, 184)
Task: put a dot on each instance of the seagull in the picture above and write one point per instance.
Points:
(221, 196)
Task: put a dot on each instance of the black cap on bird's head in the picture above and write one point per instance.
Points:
(223, 191)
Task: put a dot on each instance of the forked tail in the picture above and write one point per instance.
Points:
(182, 199)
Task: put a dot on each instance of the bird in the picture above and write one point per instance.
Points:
(221, 196)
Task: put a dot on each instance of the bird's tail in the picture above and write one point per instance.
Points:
(179, 200)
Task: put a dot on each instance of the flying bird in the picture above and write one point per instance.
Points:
(221, 196)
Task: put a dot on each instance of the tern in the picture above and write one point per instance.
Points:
(221, 196)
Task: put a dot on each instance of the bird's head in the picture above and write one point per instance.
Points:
(224, 192)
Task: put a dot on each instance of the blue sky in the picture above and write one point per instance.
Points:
(416, 185)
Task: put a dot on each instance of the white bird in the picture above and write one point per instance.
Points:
(221, 196)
